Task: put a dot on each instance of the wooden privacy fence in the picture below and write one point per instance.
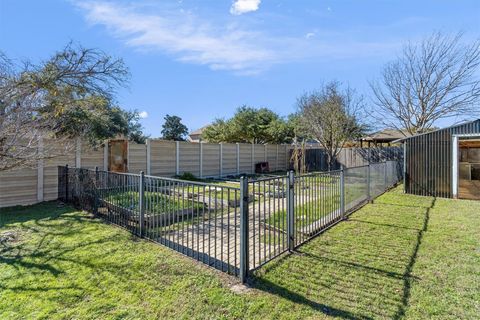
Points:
(316, 158)
(170, 158)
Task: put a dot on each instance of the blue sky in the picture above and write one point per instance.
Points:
(202, 59)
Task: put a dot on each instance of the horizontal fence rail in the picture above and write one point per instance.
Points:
(234, 226)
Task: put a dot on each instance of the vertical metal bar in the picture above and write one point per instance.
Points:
(369, 196)
(141, 202)
(66, 183)
(342, 192)
(95, 192)
(290, 210)
(177, 157)
(244, 264)
(385, 185)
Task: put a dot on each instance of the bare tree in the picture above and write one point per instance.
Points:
(65, 97)
(332, 116)
(434, 79)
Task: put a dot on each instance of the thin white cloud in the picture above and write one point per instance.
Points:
(185, 36)
(190, 39)
(143, 114)
(243, 6)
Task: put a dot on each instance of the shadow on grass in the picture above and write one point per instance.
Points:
(361, 270)
(44, 223)
(407, 279)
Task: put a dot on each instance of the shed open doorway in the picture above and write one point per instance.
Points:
(469, 168)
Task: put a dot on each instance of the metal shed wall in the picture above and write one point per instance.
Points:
(428, 160)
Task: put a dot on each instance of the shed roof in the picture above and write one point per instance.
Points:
(446, 128)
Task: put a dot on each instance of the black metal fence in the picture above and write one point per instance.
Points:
(233, 226)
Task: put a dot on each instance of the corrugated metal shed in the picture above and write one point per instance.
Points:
(428, 160)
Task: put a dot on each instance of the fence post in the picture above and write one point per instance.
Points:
(253, 158)
(95, 199)
(342, 191)
(244, 247)
(291, 210)
(149, 156)
(201, 159)
(105, 156)
(40, 172)
(141, 203)
(276, 160)
(221, 159)
(66, 182)
(369, 196)
(238, 158)
(78, 153)
(385, 175)
(177, 157)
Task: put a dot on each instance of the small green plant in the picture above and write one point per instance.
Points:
(187, 176)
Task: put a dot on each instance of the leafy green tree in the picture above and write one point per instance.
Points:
(250, 125)
(134, 130)
(67, 96)
(219, 131)
(174, 129)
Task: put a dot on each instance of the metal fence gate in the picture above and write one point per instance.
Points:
(233, 227)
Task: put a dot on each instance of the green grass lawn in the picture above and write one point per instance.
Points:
(401, 257)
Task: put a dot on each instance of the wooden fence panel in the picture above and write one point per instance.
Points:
(246, 165)
(229, 159)
(211, 160)
(91, 157)
(163, 158)
(259, 153)
(50, 175)
(272, 156)
(189, 158)
(18, 187)
(137, 157)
